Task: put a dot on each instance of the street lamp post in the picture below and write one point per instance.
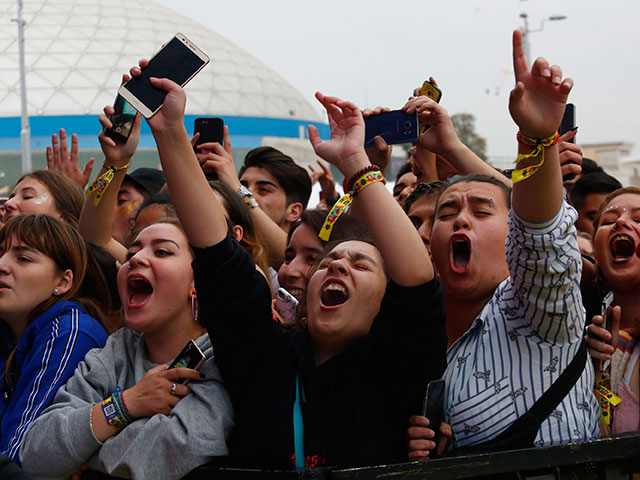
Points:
(25, 131)
(525, 32)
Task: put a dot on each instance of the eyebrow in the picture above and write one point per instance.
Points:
(352, 256)
(24, 248)
(476, 199)
(155, 241)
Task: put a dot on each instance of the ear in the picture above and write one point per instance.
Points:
(293, 212)
(238, 232)
(65, 282)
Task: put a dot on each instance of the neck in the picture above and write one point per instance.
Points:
(630, 310)
(17, 327)
(461, 313)
(164, 345)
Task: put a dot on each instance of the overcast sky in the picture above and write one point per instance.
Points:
(375, 52)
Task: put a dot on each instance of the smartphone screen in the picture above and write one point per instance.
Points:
(395, 127)
(122, 120)
(176, 61)
(211, 129)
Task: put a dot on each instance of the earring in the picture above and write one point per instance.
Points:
(55, 291)
(194, 305)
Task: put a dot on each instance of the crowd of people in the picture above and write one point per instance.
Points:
(490, 280)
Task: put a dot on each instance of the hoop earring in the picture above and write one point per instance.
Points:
(194, 305)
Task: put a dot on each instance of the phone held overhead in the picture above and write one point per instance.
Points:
(396, 126)
(179, 60)
(121, 120)
(211, 130)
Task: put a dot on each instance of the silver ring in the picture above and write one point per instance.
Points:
(173, 388)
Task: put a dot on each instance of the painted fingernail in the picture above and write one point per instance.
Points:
(546, 72)
(557, 80)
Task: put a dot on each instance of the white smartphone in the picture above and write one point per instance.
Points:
(286, 306)
(179, 60)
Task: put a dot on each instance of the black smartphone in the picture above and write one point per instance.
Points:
(433, 409)
(606, 303)
(122, 120)
(190, 357)
(179, 60)
(568, 120)
(211, 129)
(396, 126)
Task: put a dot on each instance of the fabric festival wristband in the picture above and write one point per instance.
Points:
(118, 401)
(111, 413)
(607, 400)
(250, 201)
(102, 182)
(341, 205)
(539, 147)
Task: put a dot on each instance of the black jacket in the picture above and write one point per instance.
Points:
(357, 403)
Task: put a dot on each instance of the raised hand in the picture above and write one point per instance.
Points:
(538, 100)
(600, 349)
(118, 154)
(218, 159)
(60, 160)
(324, 176)
(153, 394)
(172, 112)
(345, 149)
(441, 137)
(570, 158)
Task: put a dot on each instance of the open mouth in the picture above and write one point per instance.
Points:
(460, 253)
(140, 291)
(622, 247)
(334, 295)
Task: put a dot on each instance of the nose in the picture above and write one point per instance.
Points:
(10, 205)
(425, 233)
(138, 259)
(461, 222)
(337, 266)
(621, 222)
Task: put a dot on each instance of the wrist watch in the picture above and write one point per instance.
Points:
(247, 197)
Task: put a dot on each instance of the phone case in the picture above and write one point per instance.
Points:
(395, 127)
(430, 90)
(286, 306)
(138, 103)
(211, 129)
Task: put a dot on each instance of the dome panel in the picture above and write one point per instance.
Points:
(71, 45)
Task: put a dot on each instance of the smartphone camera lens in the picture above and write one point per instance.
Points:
(407, 125)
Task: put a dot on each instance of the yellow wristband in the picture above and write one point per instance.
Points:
(103, 181)
(341, 205)
(540, 146)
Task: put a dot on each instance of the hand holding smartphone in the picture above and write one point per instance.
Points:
(433, 409)
(189, 357)
(179, 60)
(121, 120)
(396, 126)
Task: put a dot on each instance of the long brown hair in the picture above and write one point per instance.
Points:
(64, 245)
(67, 195)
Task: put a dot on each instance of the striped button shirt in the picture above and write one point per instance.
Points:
(523, 339)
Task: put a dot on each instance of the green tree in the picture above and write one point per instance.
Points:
(465, 125)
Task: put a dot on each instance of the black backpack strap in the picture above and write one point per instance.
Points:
(522, 432)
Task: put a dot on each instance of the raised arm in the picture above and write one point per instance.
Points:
(537, 105)
(200, 213)
(398, 241)
(96, 218)
(441, 138)
(220, 161)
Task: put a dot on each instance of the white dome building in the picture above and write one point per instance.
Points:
(77, 50)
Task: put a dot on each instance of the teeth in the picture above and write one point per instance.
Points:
(336, 287)
(296, 292)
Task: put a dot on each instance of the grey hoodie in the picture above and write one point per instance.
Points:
(159, 447)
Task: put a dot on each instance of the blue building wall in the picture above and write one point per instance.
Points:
(246, 132)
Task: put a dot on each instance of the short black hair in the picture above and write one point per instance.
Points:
(405, 168)
(590, 166)
(293, 179)
(598, 182)
(424, 190)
